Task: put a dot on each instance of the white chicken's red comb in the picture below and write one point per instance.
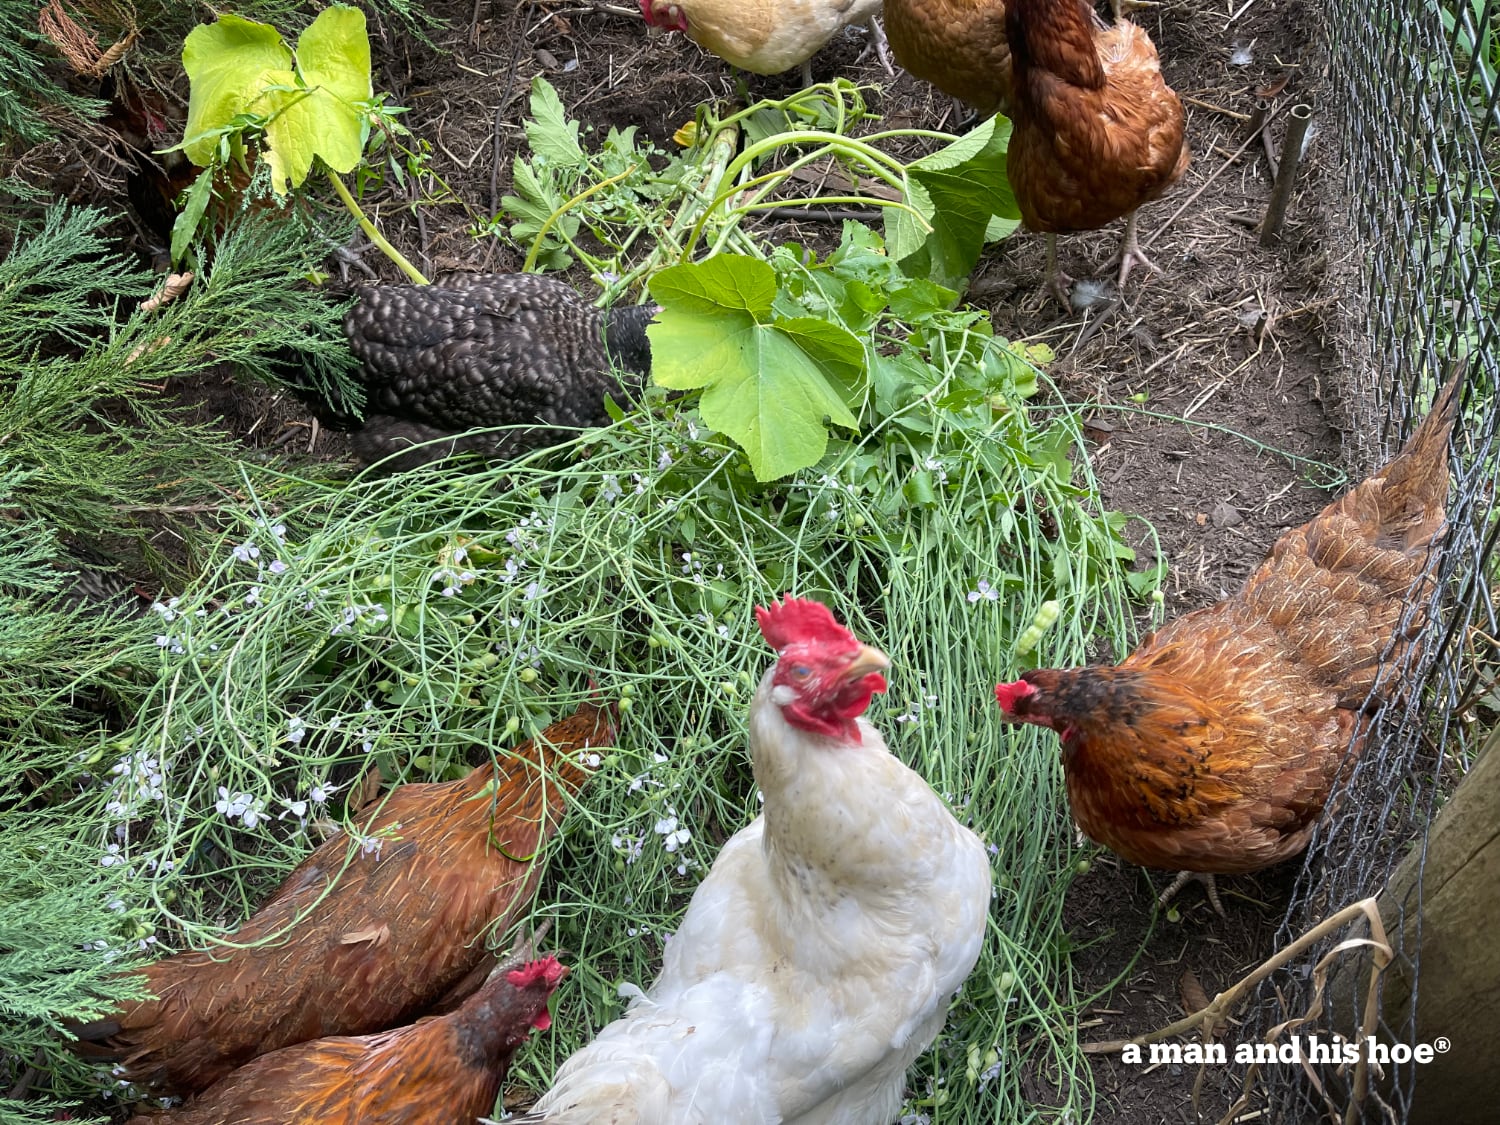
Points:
(799, 619)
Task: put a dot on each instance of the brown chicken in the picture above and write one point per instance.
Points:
(441, 1071)
(1214, 746)
(403, 925)
(957, 45)
(1096, 131)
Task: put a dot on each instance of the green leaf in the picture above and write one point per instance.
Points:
(768, 382)
(536, 199)
(549, 132)
(964, 194)
(334, 54)
(727, 281)
(186, 224)
(321, 118)
(227, 64)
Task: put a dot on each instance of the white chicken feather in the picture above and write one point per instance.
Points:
(818, 958)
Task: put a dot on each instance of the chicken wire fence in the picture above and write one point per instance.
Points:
(1410, 96)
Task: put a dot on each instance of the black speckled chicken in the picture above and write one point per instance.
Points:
(486, 350)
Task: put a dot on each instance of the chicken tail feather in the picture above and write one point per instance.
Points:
(1417, 479)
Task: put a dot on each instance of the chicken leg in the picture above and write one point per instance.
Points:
(879, 44)
(1131, 252)
(1186, 877)
(1057, 280)
(1122, 8)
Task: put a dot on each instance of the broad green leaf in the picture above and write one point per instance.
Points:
(551, 135)
(322, 118)
(768, 382)
(964, 194)
(726, 281)
(838, 353)
(227, 64)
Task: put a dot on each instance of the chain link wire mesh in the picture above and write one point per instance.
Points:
(1411, 93)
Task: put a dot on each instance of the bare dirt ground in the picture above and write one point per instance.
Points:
(1241, 341)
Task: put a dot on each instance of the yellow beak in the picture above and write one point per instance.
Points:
(867, 660)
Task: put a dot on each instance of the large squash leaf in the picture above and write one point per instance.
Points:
(768, 381)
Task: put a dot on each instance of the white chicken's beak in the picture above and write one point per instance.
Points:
(866, 660)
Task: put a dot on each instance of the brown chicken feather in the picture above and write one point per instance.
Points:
(1214, 746)
(441, 1071)
(957, 45)
(403, 925)
(1096, 130)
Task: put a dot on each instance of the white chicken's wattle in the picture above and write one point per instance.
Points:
(818, 958)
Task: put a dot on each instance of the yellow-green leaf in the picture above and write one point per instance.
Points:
(333, 54)
(227, 63)
(321, 118)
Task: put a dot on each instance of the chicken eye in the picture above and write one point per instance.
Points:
(800, 671)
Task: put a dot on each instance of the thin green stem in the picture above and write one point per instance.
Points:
(372, 232)
(536, 243)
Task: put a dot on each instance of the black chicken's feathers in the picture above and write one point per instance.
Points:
(485, 350)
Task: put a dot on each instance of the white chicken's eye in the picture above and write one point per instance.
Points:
(800, 671)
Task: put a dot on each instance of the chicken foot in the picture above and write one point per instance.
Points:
(878, 44)
(1186, 877)
(1131, 252)
(1123, 8)
(1057, 281)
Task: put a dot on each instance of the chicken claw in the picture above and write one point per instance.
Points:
(879, 44)
(1131, 253)
(1057, 281)
(1186, 877)
(1122, 8)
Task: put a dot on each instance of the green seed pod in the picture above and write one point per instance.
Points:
(527, 675)
(1045, 618)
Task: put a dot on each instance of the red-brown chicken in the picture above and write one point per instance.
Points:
(1214, 746)
(1096, 131)
(369, 930)
(957, 45)
(441, 1071)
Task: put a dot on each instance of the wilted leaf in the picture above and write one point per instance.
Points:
(1194, 1000)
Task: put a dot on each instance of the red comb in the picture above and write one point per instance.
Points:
(798, 619)
(1008, 695)
(546, 970)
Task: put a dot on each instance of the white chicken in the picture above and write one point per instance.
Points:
(766, 36)
(818, 958)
